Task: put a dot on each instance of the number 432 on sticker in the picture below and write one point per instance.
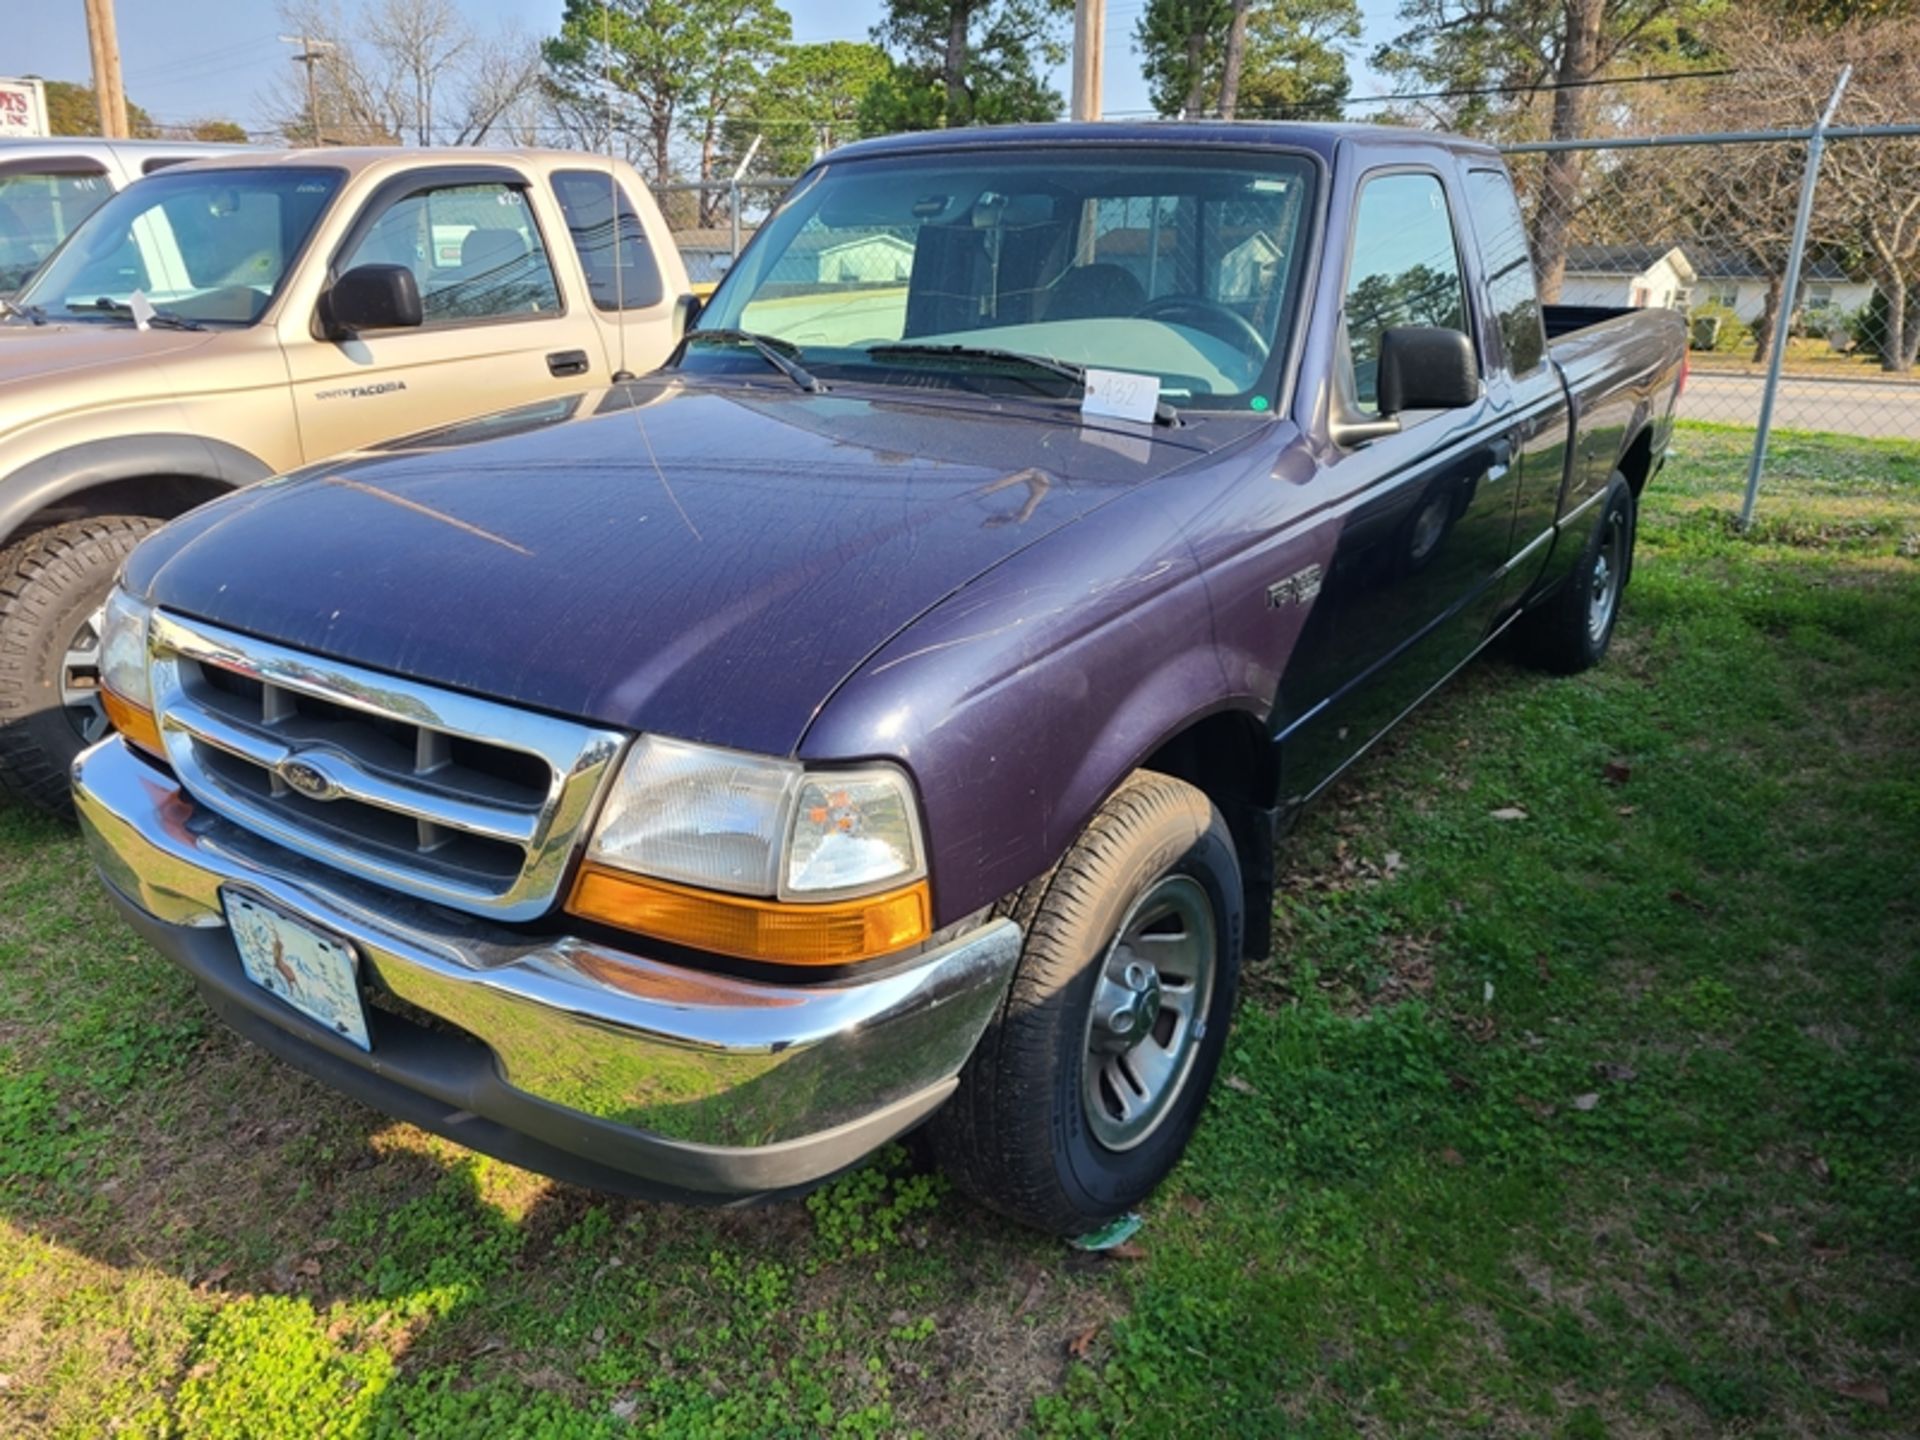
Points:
(1120, 395)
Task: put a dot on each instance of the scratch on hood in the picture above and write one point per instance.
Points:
(428, 511)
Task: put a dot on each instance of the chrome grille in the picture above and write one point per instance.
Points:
(454, 799)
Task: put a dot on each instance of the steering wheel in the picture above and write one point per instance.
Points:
(1216, 319)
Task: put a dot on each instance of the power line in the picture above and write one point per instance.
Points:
(561, 131)
(199, 65)
(1544, 89)
(1541, 89)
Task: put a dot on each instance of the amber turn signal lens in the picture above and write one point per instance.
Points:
(133, 721)
(784, 933)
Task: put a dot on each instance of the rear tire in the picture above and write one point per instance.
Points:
(52, 586)
(1088, 1083)
(1570, 630)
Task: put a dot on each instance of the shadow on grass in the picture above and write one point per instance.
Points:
(260, 1255)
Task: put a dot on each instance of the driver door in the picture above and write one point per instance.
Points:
(497, 332)
(1424, 515)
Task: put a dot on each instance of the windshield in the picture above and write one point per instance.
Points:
(210, 246)
(37, 211)
(1178, 263)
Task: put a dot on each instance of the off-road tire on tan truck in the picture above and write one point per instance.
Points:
(1152, 886)
(52, 585)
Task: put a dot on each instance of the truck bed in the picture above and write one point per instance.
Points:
(1563, 320)
(1619, 367)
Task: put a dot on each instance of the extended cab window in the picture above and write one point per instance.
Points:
(38, 210)
(1405, 270)
(474, 250)
(622, 275)
(1509, 267)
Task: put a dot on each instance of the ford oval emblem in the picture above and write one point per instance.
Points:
(306, 779)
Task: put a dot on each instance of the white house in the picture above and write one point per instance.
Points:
(815, 257)
(1641, 276)
(1647, 275)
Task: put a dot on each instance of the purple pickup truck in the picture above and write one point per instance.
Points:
(883, 715)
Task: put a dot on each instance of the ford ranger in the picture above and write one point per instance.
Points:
(886, 712)
(219, 322)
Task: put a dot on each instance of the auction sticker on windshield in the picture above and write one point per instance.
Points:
(314, 974)
(1121, 395)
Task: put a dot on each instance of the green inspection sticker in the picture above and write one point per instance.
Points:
(1258, 402)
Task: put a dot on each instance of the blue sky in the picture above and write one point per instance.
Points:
(186, 59)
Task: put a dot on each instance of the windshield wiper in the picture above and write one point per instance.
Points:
(768, 349)
(25, 312)
(1163, 413)
(160, 319)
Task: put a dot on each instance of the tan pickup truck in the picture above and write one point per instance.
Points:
(231, 319)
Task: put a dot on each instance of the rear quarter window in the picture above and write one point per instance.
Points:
(1508, 261)
(620, 268)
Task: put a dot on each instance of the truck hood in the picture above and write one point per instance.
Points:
(705, 560)
(42, 352)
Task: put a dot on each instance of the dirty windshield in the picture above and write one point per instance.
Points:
(1179, 263)
(209, 246)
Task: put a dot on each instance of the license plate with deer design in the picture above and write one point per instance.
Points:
(316, 975)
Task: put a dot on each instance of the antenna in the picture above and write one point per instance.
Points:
(740, 170)
(613, 195)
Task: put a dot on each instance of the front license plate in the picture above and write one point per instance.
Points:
(314, 974)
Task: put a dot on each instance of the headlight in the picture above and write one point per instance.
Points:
(126, 689)
(757, 857)
(749, 825)
(123, 649)
(714, 818)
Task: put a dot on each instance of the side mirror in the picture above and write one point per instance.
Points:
(371, 297)
(686, 310)
(1423, 367)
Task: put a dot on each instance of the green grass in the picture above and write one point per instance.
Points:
(1604, 1122)
(1806, 355)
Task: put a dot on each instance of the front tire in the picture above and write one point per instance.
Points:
(52, 586)
(1087, 1085)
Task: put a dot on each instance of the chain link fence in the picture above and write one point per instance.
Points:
(1707, 225)
(712, 220)
(1795, 256)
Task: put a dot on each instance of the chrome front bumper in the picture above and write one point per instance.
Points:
(588, 1062)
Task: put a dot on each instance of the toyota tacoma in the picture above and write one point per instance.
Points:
(226, 320)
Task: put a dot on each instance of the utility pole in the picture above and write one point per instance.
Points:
(1089, 56)
(104, 41)
(312, 52)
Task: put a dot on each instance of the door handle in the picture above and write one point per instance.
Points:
(1500, 463)
(567, 362)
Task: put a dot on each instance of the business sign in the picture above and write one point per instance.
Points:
(23, 109)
